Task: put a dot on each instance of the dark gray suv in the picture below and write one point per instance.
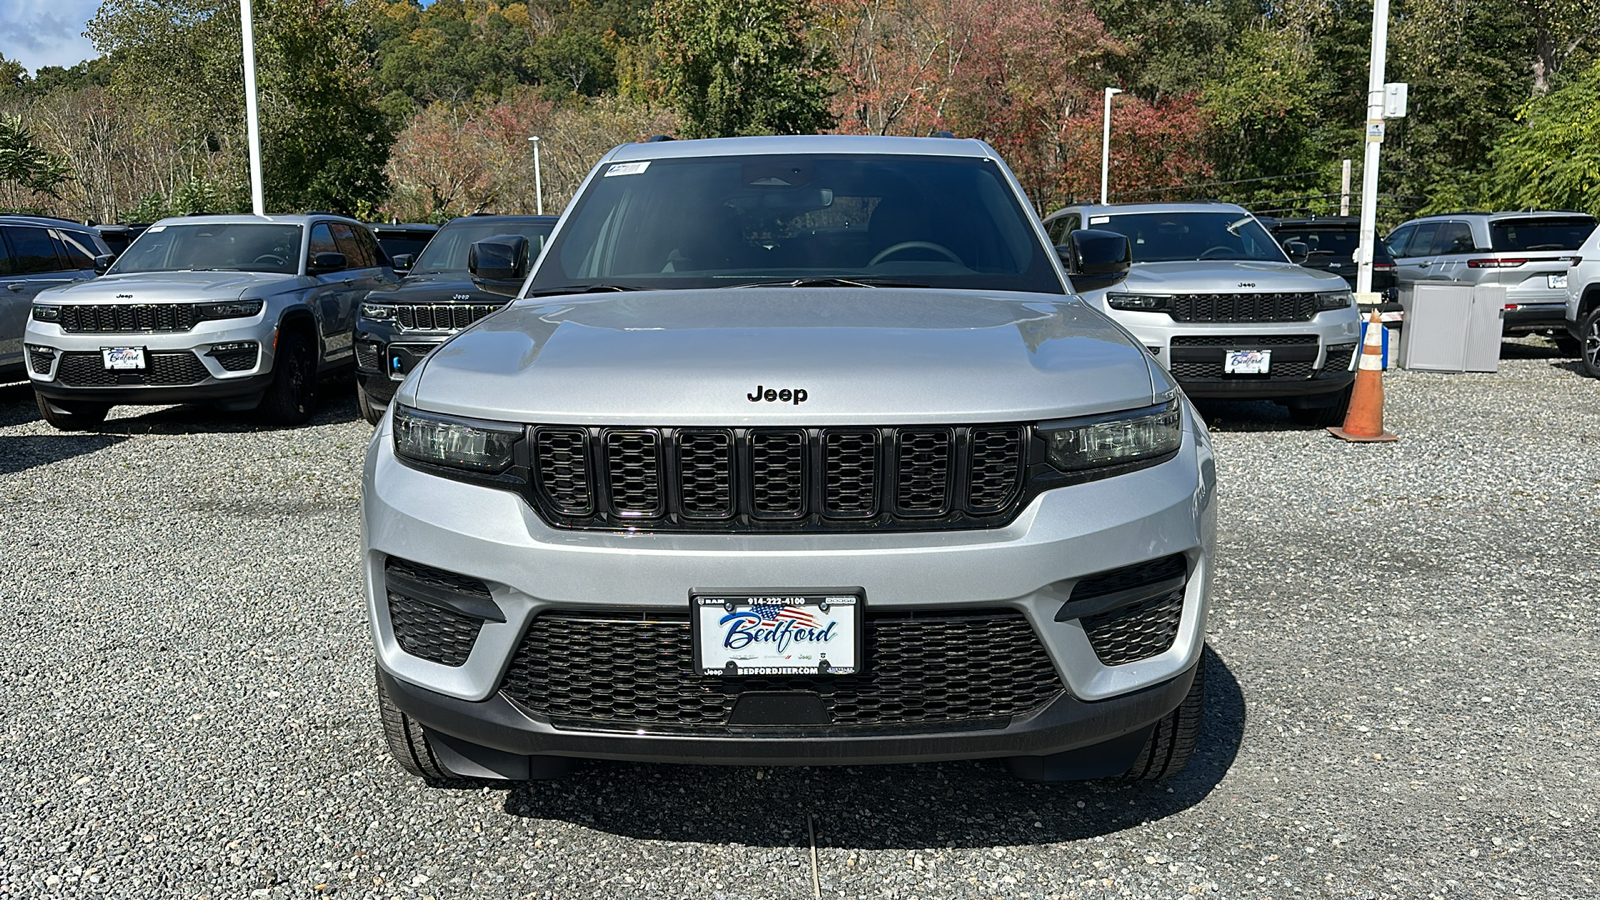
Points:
(38, 253)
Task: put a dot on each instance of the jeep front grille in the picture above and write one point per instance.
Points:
(440, 316)
(778, 479)
(118, 318)
(1249, 307)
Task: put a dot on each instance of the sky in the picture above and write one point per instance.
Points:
(46, 32)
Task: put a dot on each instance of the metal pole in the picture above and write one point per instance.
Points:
(1344, 190)
(1374, 143)
(1105, 148)
(538, 179)
(258, 203)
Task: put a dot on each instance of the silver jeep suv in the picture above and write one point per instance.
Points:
(793, 451)
(244, 311)
(1213, 296)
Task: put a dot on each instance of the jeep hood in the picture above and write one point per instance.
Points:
(158, 287)
(861, 355)
(442, 287)
(1216, 276)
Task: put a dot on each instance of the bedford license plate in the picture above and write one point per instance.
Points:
(1558, 282)
(123, 357)
(1247, 362)
(781, 633)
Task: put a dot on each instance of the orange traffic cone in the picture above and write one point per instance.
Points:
(1364, 421)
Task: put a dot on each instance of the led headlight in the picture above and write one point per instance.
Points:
(1335, 300)
(377, 312)
(1078, 444)
(233, 309)
(47, 313)
(473, 445)
(1140, 302)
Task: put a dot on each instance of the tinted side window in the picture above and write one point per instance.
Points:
(374, 249)
(5, 255)
(355, 252)
(1422, 243)
(79, 249)
(322, 241)
(33, 250)
(1396, 242)
(1453, 237)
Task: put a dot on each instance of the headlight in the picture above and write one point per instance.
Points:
(1335, 300)
(377, 312)
(47, 313)
(233, 309)
(470, 444)
(1140, 302)
(1079, 444)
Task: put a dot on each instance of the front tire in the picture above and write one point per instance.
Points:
(1172, 742)
(293, 395)
(1323, 416)
(1589, 334)
(370, 411)
(408, 743)
(68, 416)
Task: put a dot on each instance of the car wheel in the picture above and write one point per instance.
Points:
(1589, 353)
(1172, 742)
(293, 394)
(1323, 416)
(373, 413)
(408, 743)
(67, 416)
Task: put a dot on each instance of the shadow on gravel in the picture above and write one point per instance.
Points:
(19, 453)
(1246, 415)
(336, 406)
(16, 405)
(970, 804)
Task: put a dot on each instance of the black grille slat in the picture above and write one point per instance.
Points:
(996, 476)
(923, 471)
(920, 670)
(439, 316)
(1289, 370)
(127, 318)
(777, 473)
(850, 473)
(162, 369)
(633, 472)
(705, 474)
(1231, 342)
(1245, 307)
(563, 465)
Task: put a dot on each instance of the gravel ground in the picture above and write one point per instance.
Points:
(1402, 691)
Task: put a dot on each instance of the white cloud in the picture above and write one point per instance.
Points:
(46, 32)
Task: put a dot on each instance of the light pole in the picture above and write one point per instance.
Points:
(538, 181)
(1105, 148)
(1369, 165)
(257, 203)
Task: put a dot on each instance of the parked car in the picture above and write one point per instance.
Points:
(1329, 243)
(797, 451)
(1582, 312)
(245, 311)
(402, 241)
(119, 236)
(38, 253)
(1528, 252)
(1214, 297)
(438, 297)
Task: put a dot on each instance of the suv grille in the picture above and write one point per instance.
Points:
(163, 369)
(440, 316)
(121, 318)
(1200, 357)
(1251, 307)
(613, 673)
(39, 359)
(760, 479)
(1143, 628)
(428, 630)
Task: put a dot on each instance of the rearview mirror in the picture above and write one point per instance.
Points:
(502, 258)
(1095, 259)
(1299, 251)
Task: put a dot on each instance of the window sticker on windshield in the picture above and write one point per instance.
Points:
(1099, 220)
(632, 168)
(156, 228)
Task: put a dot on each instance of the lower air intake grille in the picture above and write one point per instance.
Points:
(1338, 362)
(164, 369)
(238, 360)
(428, 630)
(1143, 628)
(620, 673)
(40, 359)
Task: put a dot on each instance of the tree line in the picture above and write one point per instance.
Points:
(389, 109)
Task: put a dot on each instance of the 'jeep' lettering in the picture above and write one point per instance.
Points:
(795, 396)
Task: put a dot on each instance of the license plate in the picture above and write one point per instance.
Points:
(1247, 362)
(781, 633)
(1558, 281)
(123, 357)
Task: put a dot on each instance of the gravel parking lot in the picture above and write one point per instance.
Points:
(1404, 690)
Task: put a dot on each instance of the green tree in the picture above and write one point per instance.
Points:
(25, 164)
(742, 66)
(1551, 158)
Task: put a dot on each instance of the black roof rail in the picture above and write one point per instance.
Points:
(941, 134)
(658, 138)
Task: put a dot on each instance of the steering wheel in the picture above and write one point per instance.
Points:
(892, 249)
(270, 258)
(1216, 252)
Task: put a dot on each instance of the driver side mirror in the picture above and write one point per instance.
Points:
(103, 262)
(401, 262)
(502, 258)
(1299, 251)
(323, 263)
(1095, 259)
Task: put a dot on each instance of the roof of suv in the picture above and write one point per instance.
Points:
(803, 143)
(43, 222)
(237, 219)
(1114, 209)
(1503, 214)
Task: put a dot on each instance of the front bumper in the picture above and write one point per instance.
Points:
(386, 354)
(1029, 567)
(181, 367)
(1309, 359)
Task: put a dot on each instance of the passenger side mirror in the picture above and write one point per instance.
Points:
(502, 258)
(103, 262)
(1095, 259)
(323, 263)
(402, 262)
(1299, 251)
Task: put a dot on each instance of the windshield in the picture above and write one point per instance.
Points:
(447, 252)
(208, 247)
(810, 218)
(1175, 236)
(1565, 233)
(1327, 244)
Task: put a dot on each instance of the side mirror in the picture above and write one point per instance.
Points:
(103, 262)
(323, 263)
(1095, 259)
(502, 258)
(1299, 251)
(402, 262)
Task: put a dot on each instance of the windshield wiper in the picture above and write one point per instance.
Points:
(830, 282)
(581, 289)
